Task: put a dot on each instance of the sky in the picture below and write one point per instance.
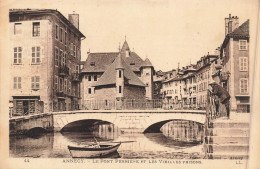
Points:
(168, 32)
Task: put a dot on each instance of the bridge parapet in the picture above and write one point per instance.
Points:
(128, 120)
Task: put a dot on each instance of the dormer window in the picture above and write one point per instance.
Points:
(92, 63)
(132, 62)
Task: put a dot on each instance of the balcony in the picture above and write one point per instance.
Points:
(75, 77)
(60, 95)
(63, 71)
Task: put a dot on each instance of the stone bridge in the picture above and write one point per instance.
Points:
(25, 124)
(129, 120)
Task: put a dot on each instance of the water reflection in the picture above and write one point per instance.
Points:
(183, 131)
(151, 145)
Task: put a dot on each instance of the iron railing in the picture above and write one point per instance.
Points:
(126, 104)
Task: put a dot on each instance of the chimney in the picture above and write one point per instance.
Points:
(74, 19)
(231, 23)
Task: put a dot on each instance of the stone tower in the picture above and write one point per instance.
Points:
(147, 78)
(119, 80)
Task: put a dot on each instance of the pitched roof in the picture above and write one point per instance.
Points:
(119, 62)
(99, 62)
(103, 60)
(242, 30)
(125, 47)
(109, 76)
(147, 63)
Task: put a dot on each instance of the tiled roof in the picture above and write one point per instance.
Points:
(119, 62)
(242, 30)
(147, 63)
(103, 60)
(99, 62)
(109, 76)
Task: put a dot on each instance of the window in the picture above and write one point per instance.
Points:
(242, 44)
(17, 28)
(56, 83)
(17, 82)
(89, 78)
(36, 55)
(61, 85)
(65, 85)
(243, 64)
(56, 56)
(74, 51)
(77, 68)
(61, 35)
(120, 89)
(69, 87)
(71, 48)
(17, 55)
(36, 28)
(119, 74)
(95, 77)
(89, 90)
(56, 32)
(224, 52)
(65, 38)
(243, 85)
(36, 82)
(65, 59)
(92, 63)
(60, 58)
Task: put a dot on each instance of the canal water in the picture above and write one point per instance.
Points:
(177, 140)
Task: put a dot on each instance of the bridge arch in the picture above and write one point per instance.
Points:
(129, 119)
(155, 128)
(85, 125)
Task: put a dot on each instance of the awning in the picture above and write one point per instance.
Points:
(26, 97)
(242, 96)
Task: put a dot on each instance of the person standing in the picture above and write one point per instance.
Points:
(223, 96)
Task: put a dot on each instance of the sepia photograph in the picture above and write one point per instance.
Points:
(128, 84)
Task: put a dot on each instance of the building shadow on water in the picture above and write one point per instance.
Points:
(161, 139)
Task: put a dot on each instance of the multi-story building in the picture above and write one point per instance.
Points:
(180, 90)
(45, 58)
(230, 68)
(99, 70)
(235, 56)
(158, 79)
(188, 89)
(204, 77)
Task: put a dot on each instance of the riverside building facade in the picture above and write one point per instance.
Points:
(45, 57)
(235, 57)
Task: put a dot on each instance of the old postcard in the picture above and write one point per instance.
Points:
(129, 84)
